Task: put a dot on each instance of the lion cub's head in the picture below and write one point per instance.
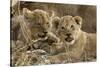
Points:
(38, 22)
(69, 28)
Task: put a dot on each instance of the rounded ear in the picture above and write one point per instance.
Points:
(78, 20)
(55, 22)
(27, 13)
(51, 13)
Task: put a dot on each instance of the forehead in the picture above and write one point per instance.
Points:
(67, 20)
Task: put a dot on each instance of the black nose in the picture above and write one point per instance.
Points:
(68, 34)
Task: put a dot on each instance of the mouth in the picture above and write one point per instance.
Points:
(41, 36)
(69, 39)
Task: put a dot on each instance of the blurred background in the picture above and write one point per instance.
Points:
(87, 12)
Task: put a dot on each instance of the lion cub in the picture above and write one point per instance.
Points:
(34, 24)
(77, 42)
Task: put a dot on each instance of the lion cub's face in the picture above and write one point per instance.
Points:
(37, 21)
(69, 29)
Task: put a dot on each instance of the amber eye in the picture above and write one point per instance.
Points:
(47, 23)
(72, 27)
(62, 27)
(38, 23)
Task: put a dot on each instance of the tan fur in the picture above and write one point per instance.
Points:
(33, 24)
(84, 44)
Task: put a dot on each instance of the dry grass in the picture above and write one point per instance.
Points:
(22, 50)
